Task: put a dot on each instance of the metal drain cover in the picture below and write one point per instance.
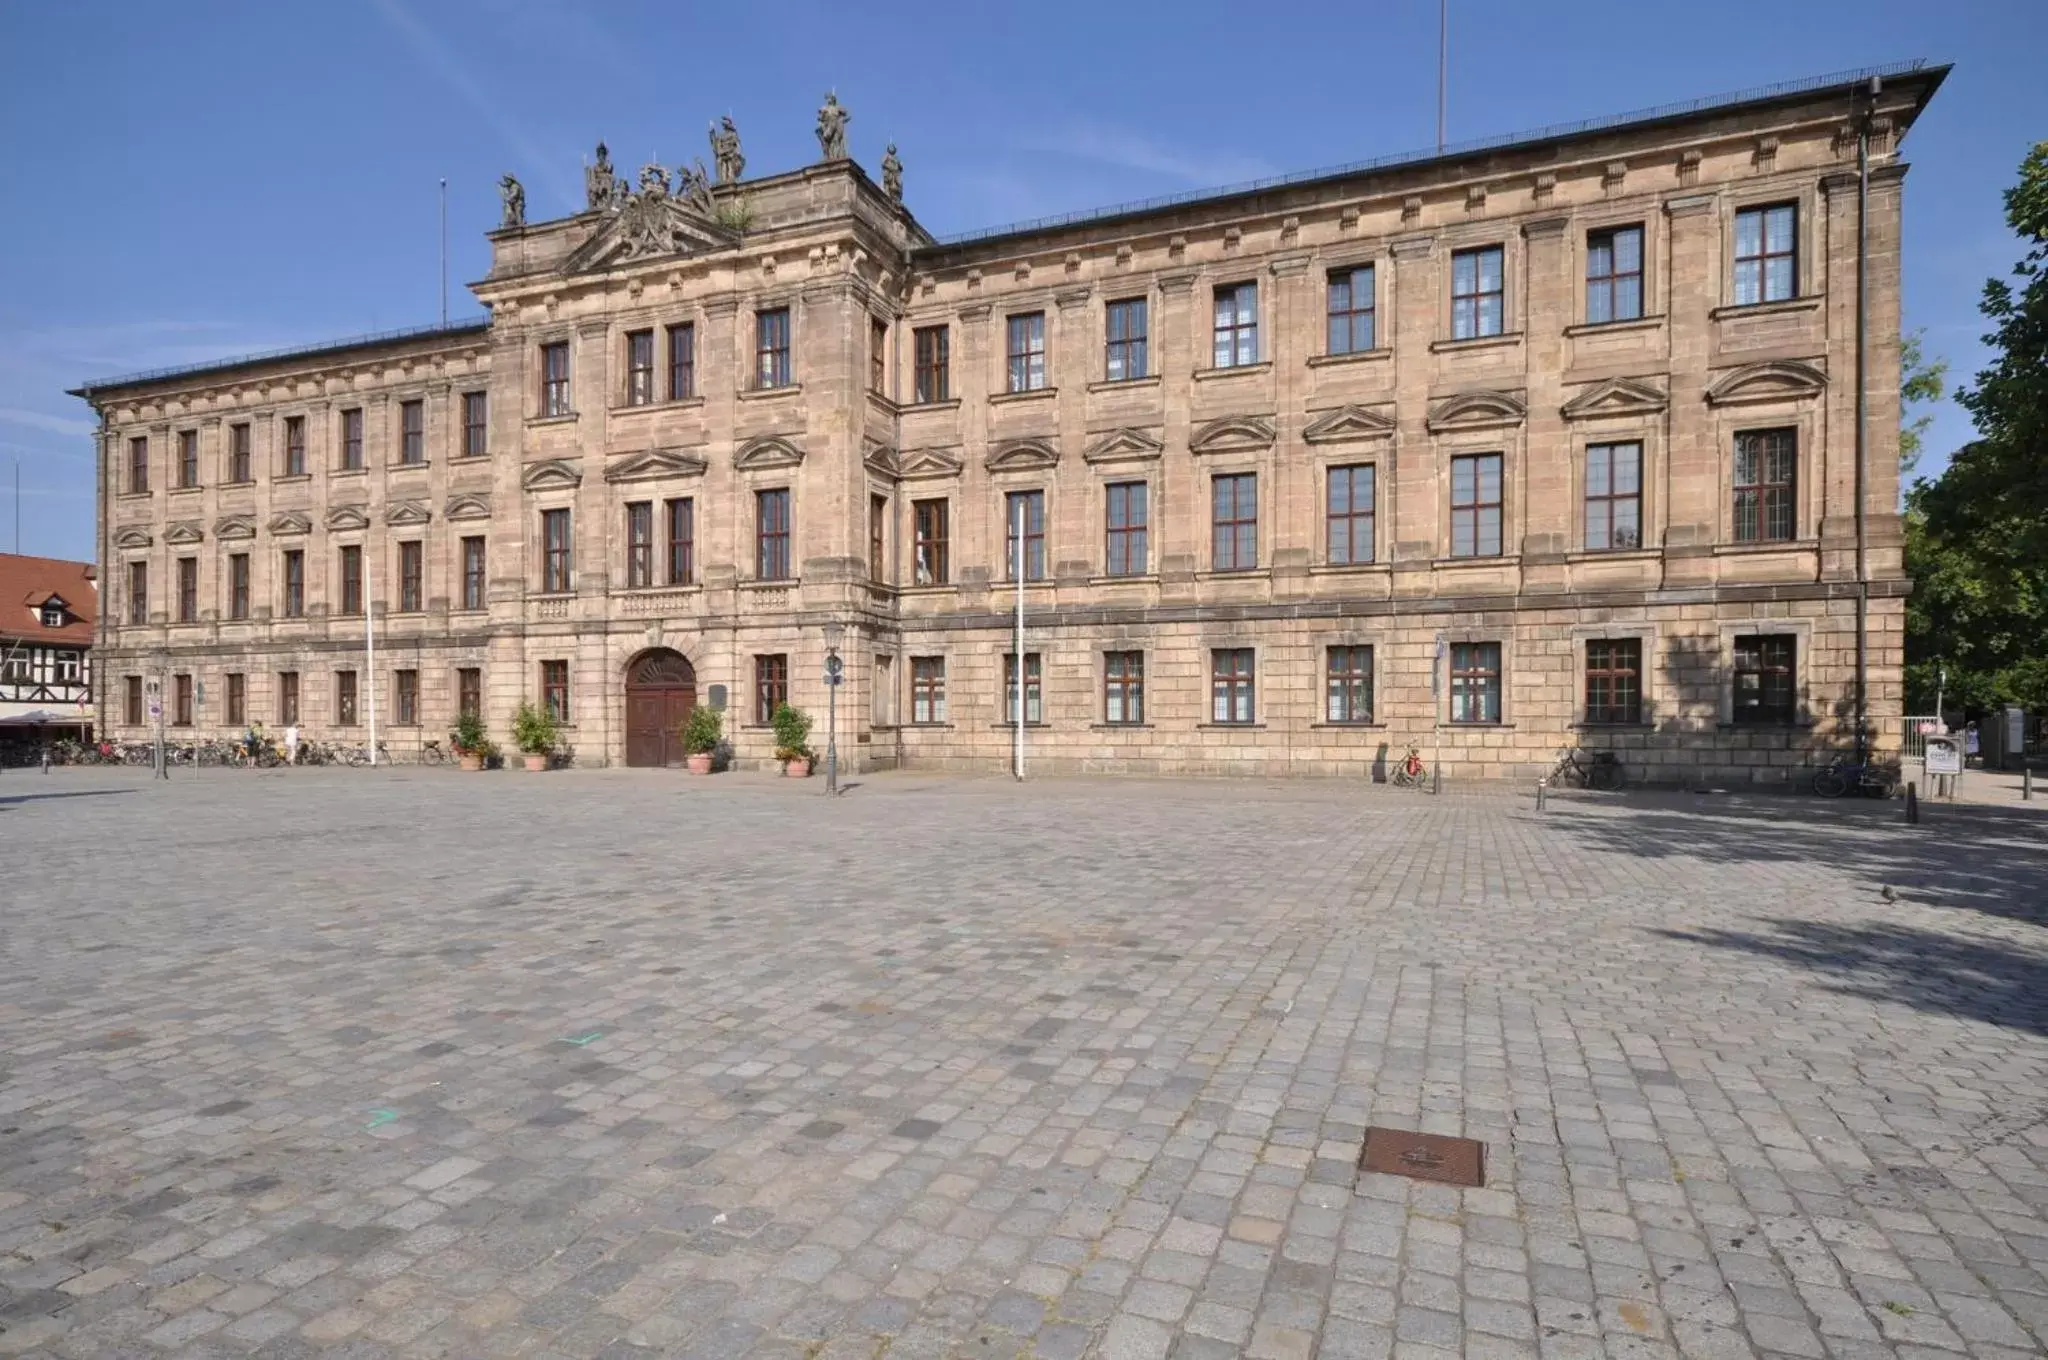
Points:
(1424, 1156)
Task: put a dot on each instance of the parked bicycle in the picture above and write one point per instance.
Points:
(1870, 779)
(1409, 772)
(433, 753)
(1588, 770)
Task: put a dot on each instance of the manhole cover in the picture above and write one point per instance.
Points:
(1424, 1156)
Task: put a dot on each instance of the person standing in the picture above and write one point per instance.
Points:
(291, 744)
(1970, 747)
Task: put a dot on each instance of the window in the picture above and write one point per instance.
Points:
(476, 424)
(138, 592)
(1230, 685)
(1125, 327)
(682, 361)
(1478, 305)
(1025, 509)
(1475, 682)
(1475, 505)
(181, 701)
(405, 700)
(1614, 681)
(771, 348)
(288, 697)
(934, 378)
(1237, 325)
(878, 531)
(239, 459)
(1765, 462)
(1027, 352)
(469, 691)
(1034, 706)
(131, 700)
(411, 585)
(237, 699)
(640, 368)
(352, 579)
(1128, 515)
(412, 432)
(554, 379)
(929, 520)
(188, 590)
(238, 585)
(188, 458)
(1123, 687)
(682, 540)
(1349, 514)
(1349, 695)
(554, 689)
(1614, 496)
(70, 667)
(878, 355)
(295, 583)
(1234, 523)
(1767, 254)
(771, 686)
(639, 544)
(1614, 274)
(1352, 320)
(1764, 688)
(138, 465)
(771, 534)
(473, 578)
(352, 439)
(294, 446)
(927, 689)
(554, 551)
(53, 615)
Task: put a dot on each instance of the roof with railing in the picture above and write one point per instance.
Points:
(449, 330)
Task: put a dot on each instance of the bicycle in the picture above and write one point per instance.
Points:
(1869, 779)
(360, 755)
(1588, 770)
(1409, 772)
(432, 753)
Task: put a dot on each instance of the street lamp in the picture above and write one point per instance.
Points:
(834, 674)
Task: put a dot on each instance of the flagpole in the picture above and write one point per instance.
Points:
(1018, 762)
(370, 641)
(1443, 61)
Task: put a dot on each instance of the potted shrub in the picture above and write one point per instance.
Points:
(534, 730)
(701, 731)
(470, 742)
(792, 740)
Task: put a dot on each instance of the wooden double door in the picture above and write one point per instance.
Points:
(661, 689)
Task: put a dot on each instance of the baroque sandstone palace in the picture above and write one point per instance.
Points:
(1548, 442)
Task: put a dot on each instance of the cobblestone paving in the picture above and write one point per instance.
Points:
(359, 1063)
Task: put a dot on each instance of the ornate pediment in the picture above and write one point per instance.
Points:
(466, 505)
(235, 526)
(653, 221)
(1233, 434)
(1615, 397)
(1124, 446)
(348, 517)
(767, 451)
(931, 463)
(1348, 422)
(134, 536)
(550, 475)
(184, 532)
(652, 464)
(1777, 380)
(880, 459)
(406, 513)
(288, 523)
(1022, 455)
(1476, 411)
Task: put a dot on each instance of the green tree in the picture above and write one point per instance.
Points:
(1921, 383)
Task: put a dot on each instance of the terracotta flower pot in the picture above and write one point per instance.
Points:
(472, 760)
(797, 769)
(700, 763)
(536, 764)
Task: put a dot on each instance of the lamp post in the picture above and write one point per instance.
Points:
(834, 674)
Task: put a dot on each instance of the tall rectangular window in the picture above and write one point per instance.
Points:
(1767, 254)
(554, 551)
(236, 702)
(181, 701)
(771, 686)
(188, 590)
(1476, 505)
(469, 691)
(929, 521)
(241, 461)
(138, 592)
(412, 432)
(1234, 521)
(681, 513)
(1231, 696)
(771, 348)
(287, 697)
(1026, 352)
(1123, 687)
(352, 439)
(1478, 293)
(412, 589)
(640, 368)
(639, 544)
(294, 583)
(352, 579)
(1353, 321)
(1128, 523)
(1349, 514)
(138, 465)
(878, 537)
(238, 585)
(1034, 699)
(188, 458)
(771, 534)
(476, 424)
(1614, 680)
(927, 689)
(473, 572)
(1125, 329)
(1766, 463)
(1348, 695)
(294, 446)
(1614, 274)
(1237, 325)
(878, 355)
(405, 698)
(1614, 496)
(345, 698)
(682, 361)
(554, 689)
(930, 347)
(1024, 511)
(131, 706)
(1766, 689)
(1475, 682)
(554, 379)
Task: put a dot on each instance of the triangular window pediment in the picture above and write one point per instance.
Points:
(1123, 446)
(466, 506)
(881, 460)
(1347, 422)
(184, 533)
(1615, 397)
(767, 451)
(290, 522)
(407, 512)
(348, 517)
(652, 464)
(1476, 411)
(1022, 455)
(932, 463)
(133, 537)
(234, 526)
(553, 474)
(1777, 380)
(1233, 434)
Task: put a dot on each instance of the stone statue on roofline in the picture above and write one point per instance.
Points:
(725, 151)
(892, 173)
(600, 184)
(832, 121)
(514, 196)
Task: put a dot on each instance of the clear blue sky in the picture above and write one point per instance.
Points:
(195, 180)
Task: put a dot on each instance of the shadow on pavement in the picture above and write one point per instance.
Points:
(9, 799)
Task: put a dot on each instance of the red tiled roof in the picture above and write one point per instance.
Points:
(27, 582)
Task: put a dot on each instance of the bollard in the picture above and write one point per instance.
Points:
(2026, 783)
(1912, 804)
(1542, 786)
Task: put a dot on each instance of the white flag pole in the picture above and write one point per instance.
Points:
(1019, 714)
(370, 641)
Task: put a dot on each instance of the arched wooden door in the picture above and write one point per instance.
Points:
(661, 689)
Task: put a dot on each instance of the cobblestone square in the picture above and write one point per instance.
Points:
(619, 1063)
